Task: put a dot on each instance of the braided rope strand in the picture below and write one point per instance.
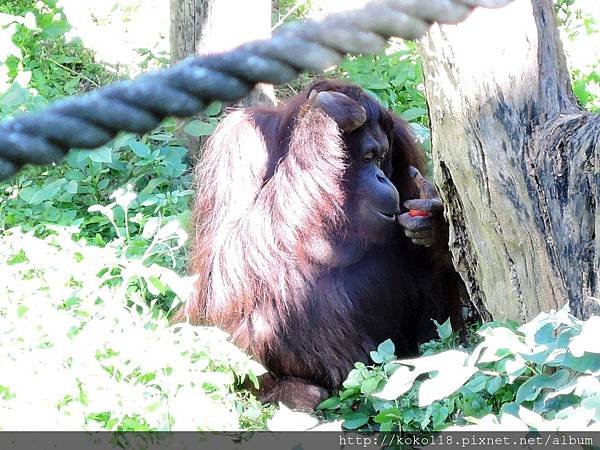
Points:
(92, 120)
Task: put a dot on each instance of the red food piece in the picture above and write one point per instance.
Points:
(418, 213)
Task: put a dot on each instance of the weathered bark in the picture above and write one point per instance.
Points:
(211, 26)
(517, 162)
(186, 26)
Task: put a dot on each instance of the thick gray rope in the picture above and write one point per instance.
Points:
(91, 120)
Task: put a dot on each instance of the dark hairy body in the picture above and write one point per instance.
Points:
(304, 248)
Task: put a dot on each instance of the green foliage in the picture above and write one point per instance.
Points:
(75, 356)
(586, 86)
(16, 99)
(152, 59)
(289, 10)
(396, 80)
(580, 29)
(204, 127)
(153, 166)
(112, 222)
(545, 375)
(40, 57)
(563, 9)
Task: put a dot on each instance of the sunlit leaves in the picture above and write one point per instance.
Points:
(530, 390)
(542, 375)
(355, 420)
(48, 191)
(121, 368)
(588, 340)
(384, 353)
(199, 128)
(398, 383)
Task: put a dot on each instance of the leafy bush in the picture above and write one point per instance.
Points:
(544, 375)
(154, 166)
(396, 80)
(18, 99)
(40, 57)
(113, 222)
(74, 356)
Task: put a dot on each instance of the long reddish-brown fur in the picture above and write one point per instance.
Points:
(271, 183)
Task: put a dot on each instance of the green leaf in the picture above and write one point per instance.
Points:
(377, 357)
(545, 335)
(36, 196)
(388, 415)
(214, 109)
(254, 379)
(71, 187)
(373, 82)
(150, 187)
(587, 362)
(386, 427)
(17, 258)
(477, 383)
(593, 403)
(356, 420)
(580, 89)
(439, 415)
(557, 403)
(370, 384)
(139, 149)
(100, 155)
(354, 379)
(348, 393)
(199, 128)
(510, 408)
(21, 311)
(513, 366)
(530, 390)
(494, 384)
(444, 330)
(103, 184)
(155, 282)
(413, 113)
(56, 28)
(14, 96)
(330, 403)
(386, 349)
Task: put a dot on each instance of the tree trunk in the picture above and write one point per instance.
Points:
(212, 26)
(186, 25)
(516, 161)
